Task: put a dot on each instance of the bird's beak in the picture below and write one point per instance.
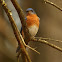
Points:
(29, 12)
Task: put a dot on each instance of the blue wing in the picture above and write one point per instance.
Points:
(25, 18)
(18, 48)
(21, 27)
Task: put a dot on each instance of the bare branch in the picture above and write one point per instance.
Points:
(47, 43)
(24, 26)
(48, 39)
(22, 19)
(26, 32)
(15, 29)
(46, 1)
(30, 47)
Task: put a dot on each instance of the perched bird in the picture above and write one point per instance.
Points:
(32, 21)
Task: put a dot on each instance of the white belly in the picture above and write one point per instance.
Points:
(33, 30)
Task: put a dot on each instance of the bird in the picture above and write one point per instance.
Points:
(32, 21)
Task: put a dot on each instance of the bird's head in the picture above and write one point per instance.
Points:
(30, 11)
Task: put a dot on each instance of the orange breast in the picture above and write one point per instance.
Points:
(32, 20)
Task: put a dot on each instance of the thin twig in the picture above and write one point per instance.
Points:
(17, 59)
(51, 3)
(15, 29)
(47, 43)
(30, 47)
(27, 45)
(48, 39)
(22, 19)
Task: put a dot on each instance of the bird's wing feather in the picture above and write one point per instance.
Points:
(25, 18)
(21, 27)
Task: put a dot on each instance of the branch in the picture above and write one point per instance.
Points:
(48, 39)
(47, 43)
(46, 1)
(24, 25)
(30, 47)
(15, 29)
(22, 19)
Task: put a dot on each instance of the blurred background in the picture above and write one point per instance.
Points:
(50, 27)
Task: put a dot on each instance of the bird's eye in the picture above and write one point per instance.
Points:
(32, 10)
(27, 11)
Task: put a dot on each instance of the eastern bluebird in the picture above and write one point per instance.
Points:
(32, 21)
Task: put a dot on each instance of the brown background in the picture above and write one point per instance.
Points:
(50, 27)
